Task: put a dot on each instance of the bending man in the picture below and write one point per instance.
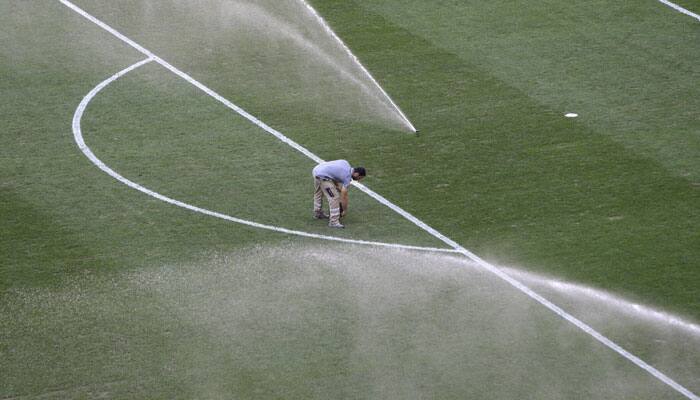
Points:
(332, 179)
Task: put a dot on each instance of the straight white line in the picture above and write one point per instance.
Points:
(78, 136)
(330, 31)
(681, 9)
(518, 285)
(576, 290)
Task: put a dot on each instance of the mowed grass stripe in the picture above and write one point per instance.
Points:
(520, 183)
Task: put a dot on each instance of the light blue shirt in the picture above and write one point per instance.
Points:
(338, 170)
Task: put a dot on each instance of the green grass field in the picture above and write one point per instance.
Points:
(106, 292)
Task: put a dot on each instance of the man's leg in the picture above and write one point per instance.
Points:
(338, 186)
(318, 200)
(333, 196)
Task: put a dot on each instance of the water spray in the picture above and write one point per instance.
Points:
(330, 31)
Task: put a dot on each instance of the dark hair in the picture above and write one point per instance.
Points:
(360, 170)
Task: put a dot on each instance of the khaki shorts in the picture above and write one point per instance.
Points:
(331, 190)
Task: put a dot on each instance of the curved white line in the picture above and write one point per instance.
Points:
(78, 135)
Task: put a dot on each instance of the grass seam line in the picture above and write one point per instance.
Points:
(513, 282)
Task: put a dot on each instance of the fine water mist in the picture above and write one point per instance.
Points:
(339, 321)
(277, 52)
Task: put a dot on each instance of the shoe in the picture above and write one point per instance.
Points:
(336, 225)
(320, 215)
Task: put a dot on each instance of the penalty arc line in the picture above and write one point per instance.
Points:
(78, 136)
(513, 282)
(77, 133)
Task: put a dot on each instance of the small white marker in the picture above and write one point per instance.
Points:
(571, 115)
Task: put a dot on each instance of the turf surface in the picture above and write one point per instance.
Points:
(610, 199)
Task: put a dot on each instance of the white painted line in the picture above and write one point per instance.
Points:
(78, 136)
(681, 9)
(330, 31)
(515, 283)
